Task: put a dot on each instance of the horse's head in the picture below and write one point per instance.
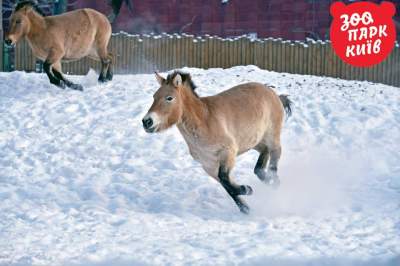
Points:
(167, 106)
(19, 21)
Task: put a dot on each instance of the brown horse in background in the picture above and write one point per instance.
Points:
(66, 37)
(219, 128)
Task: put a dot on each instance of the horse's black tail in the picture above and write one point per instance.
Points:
(287, 104)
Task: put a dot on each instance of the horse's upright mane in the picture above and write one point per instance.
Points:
(186, 78)
(32, 4)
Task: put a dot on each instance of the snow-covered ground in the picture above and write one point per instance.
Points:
(81, 183)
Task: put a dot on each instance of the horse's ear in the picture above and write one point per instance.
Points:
(177, 81)
(160, 79)
(26, 9)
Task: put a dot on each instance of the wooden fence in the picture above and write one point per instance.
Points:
(147, 53)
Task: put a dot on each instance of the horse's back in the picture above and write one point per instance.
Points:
(251, 90)
(80, 31)
(247, 97)
(83, 17)
(249, 112)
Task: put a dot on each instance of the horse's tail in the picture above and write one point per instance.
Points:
(287, 104)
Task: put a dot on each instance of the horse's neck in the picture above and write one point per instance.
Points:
(194, 116)
(37, 27)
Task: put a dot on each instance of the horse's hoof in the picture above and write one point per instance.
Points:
(109, 76)
(77, 87)
(62, 85)
(272, 179)
(261, 174)
(244, 209)
(275, 183)
(102, 79)
(246, 190)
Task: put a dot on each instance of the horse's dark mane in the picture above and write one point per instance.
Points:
(32, 4)
(186, 78)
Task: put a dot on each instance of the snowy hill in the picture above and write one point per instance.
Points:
(81, 183)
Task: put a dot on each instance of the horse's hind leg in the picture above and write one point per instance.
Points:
(272, 173)
(271, 153)
(110, 74)
(58, 73)
(103, 72)
(262, 161)
(106, 60)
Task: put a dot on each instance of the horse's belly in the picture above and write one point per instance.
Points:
(207, 157)
(248, 139)
(77, 54)
(202, 155)
(79, 46)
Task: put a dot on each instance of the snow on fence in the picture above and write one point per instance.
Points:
(147, 53)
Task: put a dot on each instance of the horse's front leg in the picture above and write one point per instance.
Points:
(54, 56)
(110, 74)
(233, 189)
(58, 73)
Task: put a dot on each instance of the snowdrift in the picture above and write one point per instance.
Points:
(81, 183)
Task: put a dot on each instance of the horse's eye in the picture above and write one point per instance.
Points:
(169, 98)
(18, 21)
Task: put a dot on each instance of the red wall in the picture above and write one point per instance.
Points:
(288, 19)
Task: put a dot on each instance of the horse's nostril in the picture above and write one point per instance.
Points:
(147, 122)
(8, 41)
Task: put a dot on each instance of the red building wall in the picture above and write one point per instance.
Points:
(288, 19)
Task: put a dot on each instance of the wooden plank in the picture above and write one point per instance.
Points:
(236, 52)
(215, 52)
(264, 54)
(185, 50)
(229, 60)
(258, 54)
(285, 56)
(132, 54)
(197, 54)
(324, 58)
(280, 58)
(249, 51)
(191, 51)
(175, 57)
(389, 70)
(395, 66)
(210, 52)
(296, 57)
(274, 55)
(292, 58)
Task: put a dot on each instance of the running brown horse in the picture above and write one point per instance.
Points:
(219, 128)
(66, 37)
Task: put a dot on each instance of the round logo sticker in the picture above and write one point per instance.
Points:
(363, 34)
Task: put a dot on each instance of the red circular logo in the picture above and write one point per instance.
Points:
(363, 34)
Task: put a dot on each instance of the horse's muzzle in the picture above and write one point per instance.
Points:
(9, 42)
(148, 124)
